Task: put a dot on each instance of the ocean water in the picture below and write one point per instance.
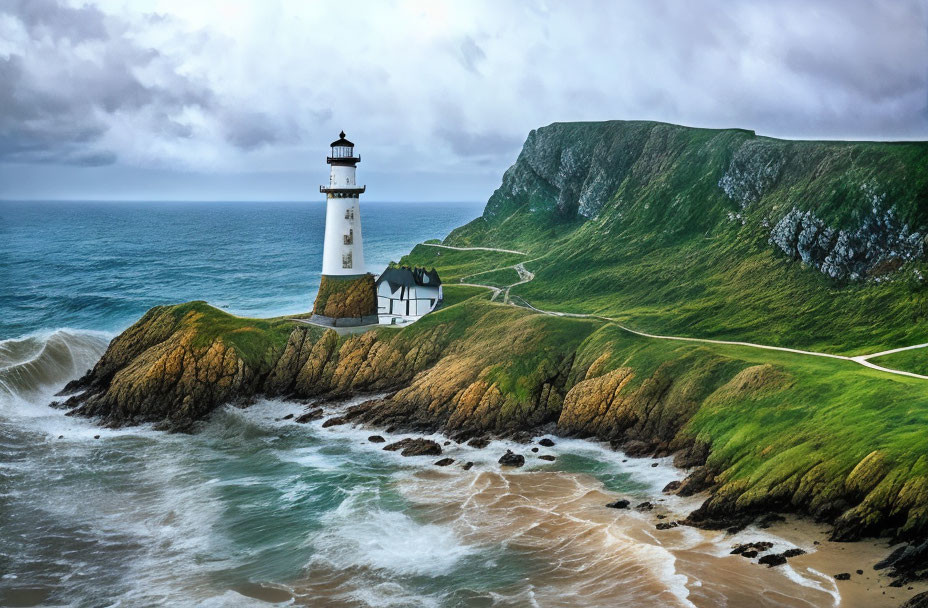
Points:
(101, 265)
(256, 510)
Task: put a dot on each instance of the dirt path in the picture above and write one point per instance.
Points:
(473, 248)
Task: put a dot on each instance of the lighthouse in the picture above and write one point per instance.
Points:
(347, 296)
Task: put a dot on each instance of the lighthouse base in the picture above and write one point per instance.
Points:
(346, 301)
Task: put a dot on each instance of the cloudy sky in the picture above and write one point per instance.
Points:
(238, 100)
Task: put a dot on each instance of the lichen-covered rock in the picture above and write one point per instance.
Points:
(880, 244)
(754, 169)
(338, 298)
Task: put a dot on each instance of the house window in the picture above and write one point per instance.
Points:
(346, 260)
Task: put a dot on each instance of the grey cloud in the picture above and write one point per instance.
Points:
(56, 118)
(471, 54)
(41, 16)
(469, 144)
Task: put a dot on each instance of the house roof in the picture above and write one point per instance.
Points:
(405, 276)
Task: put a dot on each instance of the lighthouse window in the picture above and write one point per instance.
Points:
(346, 260)
(349, 238)
(349, 214)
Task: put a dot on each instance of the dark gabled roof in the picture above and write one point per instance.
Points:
(341, 141)
(404, 276)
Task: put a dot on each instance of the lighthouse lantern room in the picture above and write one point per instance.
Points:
(343, 254)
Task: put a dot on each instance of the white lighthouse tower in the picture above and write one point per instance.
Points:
(347, 295)
(342, 254)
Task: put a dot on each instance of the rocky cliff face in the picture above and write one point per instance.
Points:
(879, 246)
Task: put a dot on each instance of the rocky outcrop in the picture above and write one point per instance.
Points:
(344, 298)
(162, 370)
(880, 245)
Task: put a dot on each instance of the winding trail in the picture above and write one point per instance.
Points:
(473, 248)
(525, 276)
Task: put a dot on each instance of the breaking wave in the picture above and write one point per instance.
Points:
(34, 367)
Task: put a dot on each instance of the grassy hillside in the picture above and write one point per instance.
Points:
(704, 232)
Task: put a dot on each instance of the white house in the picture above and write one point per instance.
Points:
(405, 294)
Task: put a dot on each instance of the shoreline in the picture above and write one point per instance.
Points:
(695, 554)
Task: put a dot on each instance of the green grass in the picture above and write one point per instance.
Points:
(501, 277)
(915, 361)
(453, 264)
(455, 294)
(257, 341)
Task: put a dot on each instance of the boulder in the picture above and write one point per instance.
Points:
(547, 457)
(444, 462)
(334, 422)
(618, 504)
(511, 459)
(844, 576)
(310, 416)
(415, 447)
(376, 439)
(546, 442)
(479, 442)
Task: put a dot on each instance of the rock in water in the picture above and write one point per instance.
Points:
(772, 560)
(547, 457)
(376, 439)
(467, 466)
(334, 422)
(310, 416)
(618, 504)
(479, 442)
(444, 462)
(760, 546)
(415, 447)
(546, 442)
(793, 553)
(844, 576)
(511, 459)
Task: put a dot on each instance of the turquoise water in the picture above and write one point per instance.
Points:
(255, 509)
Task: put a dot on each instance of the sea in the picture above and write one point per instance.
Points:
(257, 510)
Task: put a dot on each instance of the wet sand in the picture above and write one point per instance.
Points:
(599, 556)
